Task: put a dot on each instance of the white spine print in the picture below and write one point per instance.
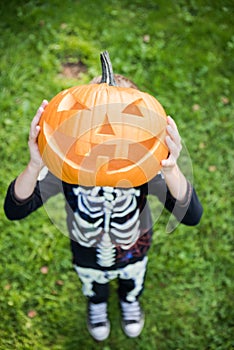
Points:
(106, 250)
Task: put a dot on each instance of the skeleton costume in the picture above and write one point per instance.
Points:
(110, 229)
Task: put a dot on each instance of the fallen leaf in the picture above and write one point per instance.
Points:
(44, 270)
(146, 38)
(202, 145)
(212, 168)
(7, 287)
(32, 313)
(225, 100)
(196, 107)
(59, 282)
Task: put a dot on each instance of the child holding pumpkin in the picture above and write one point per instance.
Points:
(110, 228)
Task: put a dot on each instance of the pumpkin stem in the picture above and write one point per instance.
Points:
(107, 71)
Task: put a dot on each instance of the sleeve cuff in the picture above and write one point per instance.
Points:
(17, 200)
(185, 202)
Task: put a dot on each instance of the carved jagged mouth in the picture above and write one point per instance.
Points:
(115, 154)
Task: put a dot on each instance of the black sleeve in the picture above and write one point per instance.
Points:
(16, 209)
(188, 211)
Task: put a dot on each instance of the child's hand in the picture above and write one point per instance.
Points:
(36, 160)
(173, 141)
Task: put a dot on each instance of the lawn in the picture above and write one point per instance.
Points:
(182, 53)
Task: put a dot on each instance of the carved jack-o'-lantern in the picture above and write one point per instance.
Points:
(103, 134)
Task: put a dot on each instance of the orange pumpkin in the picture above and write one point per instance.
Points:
(103, 134)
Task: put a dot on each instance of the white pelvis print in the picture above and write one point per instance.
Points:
(106, 217)
(135, 271)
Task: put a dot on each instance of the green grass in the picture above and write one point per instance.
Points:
(186, 62)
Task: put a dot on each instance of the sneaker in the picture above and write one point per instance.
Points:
(132, 318)
(98, 323)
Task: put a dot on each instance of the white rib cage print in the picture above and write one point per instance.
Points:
(106, 217)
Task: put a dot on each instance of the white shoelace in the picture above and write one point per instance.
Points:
(131, 311)
(98, 313)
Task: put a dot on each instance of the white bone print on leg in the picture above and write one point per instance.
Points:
(135, 271)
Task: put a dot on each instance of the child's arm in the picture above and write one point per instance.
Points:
(26, 181)
(172, 189)
(175, 180)
(27, 192)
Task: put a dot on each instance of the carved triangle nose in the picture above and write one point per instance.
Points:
(106, 128)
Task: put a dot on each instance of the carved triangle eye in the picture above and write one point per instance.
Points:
(133, 108)
(79, 105)
(106, 128)
(70, 103)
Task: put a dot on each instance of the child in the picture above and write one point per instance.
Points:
(110, 228)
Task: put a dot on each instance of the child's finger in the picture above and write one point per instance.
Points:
(44, 103)
(173, 147)
(171, 121)
(35, 122)
(40, 110)
(173, 131)
(169, 162)
(33, 130)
